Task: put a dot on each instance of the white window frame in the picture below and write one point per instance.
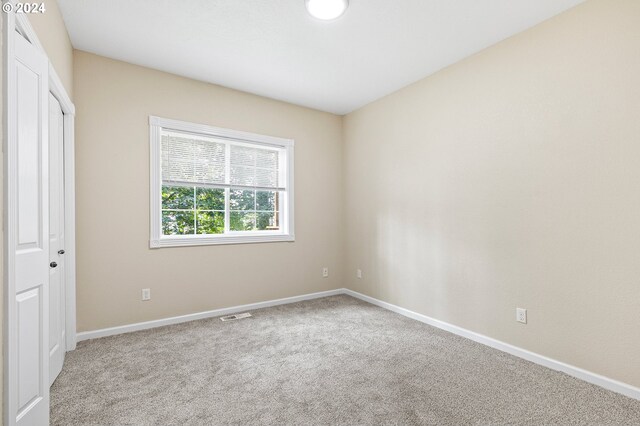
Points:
(156, 126)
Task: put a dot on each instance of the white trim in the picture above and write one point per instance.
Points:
(203, 240)
(185, 126)
(9, 335)
(70, 228)
(287, 211)
(155, 179)
(57, 89)
(202, 315)
(579, 373)
(156, 240)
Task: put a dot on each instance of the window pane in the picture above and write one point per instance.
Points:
(210, 222)
(209, 199)
(242, 200)
(267, 221)
(209, 161)
(177, 197)
(266, 178)
(242, 175)
(243, 155)
(267, 158)
(191, 159)
(254, 166)
(266, 200)
(177, 222)
(242, 221)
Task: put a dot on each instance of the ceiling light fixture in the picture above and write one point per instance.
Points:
(326, 9)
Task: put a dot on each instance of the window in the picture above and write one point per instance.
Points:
(218, 186)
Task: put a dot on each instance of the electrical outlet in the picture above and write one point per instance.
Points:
(146, 294)
(359, 273)
(325, 272)
(521, 315)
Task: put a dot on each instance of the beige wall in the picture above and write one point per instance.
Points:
(53, 36)
(114, 101)
(512, 179)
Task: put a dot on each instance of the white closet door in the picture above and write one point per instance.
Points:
(57, 336)
(28, 237)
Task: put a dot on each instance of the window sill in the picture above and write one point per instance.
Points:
(206, 240)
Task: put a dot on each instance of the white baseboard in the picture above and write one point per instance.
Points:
(111, 331)
(587, 376)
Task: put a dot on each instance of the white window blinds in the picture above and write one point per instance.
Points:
(200, 161)
(255, 167)
(189, 160)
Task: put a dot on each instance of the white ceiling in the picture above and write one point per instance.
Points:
(275, 49)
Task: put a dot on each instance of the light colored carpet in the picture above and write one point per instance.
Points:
(328, 361)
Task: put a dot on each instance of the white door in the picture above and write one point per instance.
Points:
(27, 237)
(57, 338)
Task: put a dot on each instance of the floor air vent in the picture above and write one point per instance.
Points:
(235, 317)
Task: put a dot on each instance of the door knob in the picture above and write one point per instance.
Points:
(53, 264)
(60, 251)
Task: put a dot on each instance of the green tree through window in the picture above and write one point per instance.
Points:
(196, 210)
(192, 210)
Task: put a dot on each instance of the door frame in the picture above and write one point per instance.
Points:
(12, 24)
